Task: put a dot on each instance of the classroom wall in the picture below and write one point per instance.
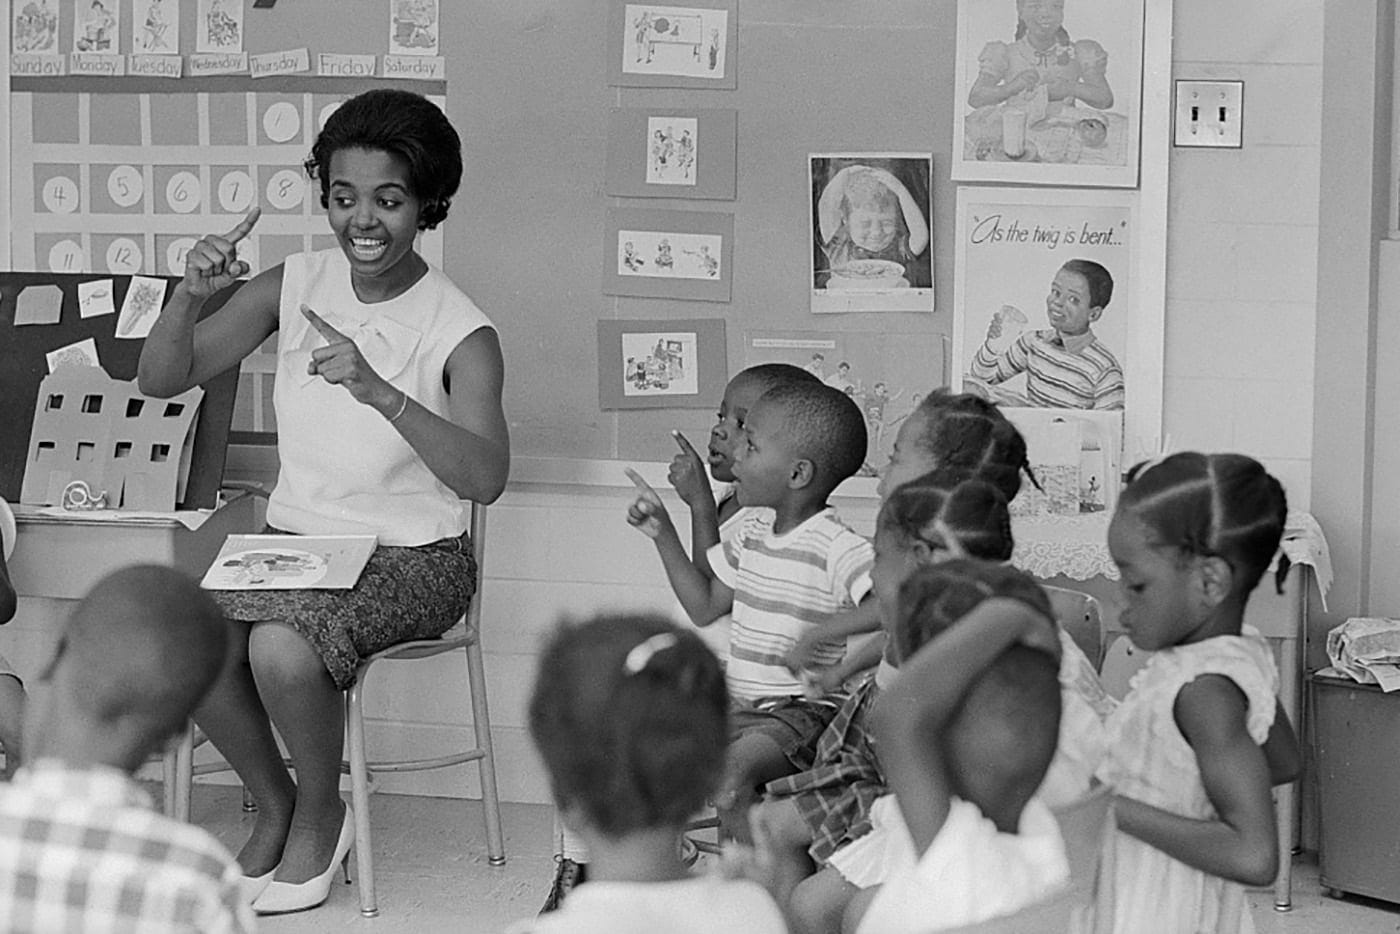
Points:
(1242, 241)
(1242, 261)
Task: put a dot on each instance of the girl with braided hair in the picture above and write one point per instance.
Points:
(1192, 535)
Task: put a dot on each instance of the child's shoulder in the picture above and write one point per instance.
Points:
(1245, 659)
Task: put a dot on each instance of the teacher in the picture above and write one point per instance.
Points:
(388, 403)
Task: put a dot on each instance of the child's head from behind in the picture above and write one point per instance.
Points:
(1078, 294)
(957, 430)
(630, 716)
(801, 440)
(873, 216)
(136, 657)
(942, 516)
(999, 741)
(739, 397)
(1192, 535)
(407, 126)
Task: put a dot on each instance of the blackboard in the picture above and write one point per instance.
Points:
(23, 366)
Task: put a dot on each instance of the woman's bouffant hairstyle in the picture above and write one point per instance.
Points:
(1212, 505)
(973, 511)
(406, 125)
(630, 714)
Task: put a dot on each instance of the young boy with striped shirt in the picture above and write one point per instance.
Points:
(1066, 365)
(783, 573)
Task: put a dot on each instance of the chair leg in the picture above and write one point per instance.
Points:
(359, 798)
(177, 775)
(184, 773)
(168, 769)
(490, 796)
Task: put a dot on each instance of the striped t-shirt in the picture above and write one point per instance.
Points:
(1074, 373)
(784, 584)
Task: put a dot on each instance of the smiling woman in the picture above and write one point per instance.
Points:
(375, 345)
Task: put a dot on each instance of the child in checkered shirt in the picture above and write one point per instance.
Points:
(11, 688)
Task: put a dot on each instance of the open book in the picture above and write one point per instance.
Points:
(289, 562)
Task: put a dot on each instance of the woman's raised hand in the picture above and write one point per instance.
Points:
(213, 263)
(341, 362)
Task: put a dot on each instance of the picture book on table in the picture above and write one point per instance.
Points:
(289, 562)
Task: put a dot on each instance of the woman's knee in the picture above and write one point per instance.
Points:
(276, 650)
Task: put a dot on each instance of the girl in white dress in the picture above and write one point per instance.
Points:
(1192, 536)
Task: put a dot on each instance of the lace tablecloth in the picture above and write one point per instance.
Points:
(1073, 546)
(1077, 547)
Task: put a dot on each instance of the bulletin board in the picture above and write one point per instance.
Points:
(23, 365)
(524, 239)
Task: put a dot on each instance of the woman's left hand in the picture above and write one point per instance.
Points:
(340, 362)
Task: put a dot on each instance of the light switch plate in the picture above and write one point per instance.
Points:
(1209, 114)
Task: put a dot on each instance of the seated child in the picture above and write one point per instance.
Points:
(785, 571)
(629, 714)
(966, 735)
(83, 848)
(711, 522)
(815, 812)
(11, 688)
(714, 520)
(1066, 365)
(824, 809)
(947, 430)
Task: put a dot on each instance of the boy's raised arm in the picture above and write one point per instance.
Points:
(704, 599)
(930, 685)
(687, 475)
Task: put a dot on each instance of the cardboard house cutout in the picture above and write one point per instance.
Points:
(90, 427)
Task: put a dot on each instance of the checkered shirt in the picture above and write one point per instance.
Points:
(834, 796)
(82, 850)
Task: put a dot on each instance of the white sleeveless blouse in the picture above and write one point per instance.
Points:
(344, 469)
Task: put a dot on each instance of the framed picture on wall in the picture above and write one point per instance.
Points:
(659, 152)
(1044, 313)
(668, 254)
(1048, 92)
(871, 234)
(661, 45)
(661, 364)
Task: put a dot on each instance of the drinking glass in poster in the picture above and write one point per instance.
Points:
(1048, 91)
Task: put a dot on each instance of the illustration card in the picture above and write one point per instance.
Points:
(658, 152)
(673, 46)
(668, 254)
(660, 364)
(289, 562)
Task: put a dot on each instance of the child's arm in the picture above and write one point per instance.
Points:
(1242, 843)
(928, 690)
(704, 599)
(865, 617)
(687, 476)
(862, 658)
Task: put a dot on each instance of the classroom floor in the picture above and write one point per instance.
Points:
(432, 874)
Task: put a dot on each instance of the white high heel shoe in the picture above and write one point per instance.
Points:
(283, 897)
(253, 886)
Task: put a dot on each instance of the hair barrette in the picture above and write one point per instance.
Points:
(642, 652)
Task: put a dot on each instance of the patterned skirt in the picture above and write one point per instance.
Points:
(403, 593)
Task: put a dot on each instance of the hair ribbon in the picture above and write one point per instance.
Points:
(642, 653)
